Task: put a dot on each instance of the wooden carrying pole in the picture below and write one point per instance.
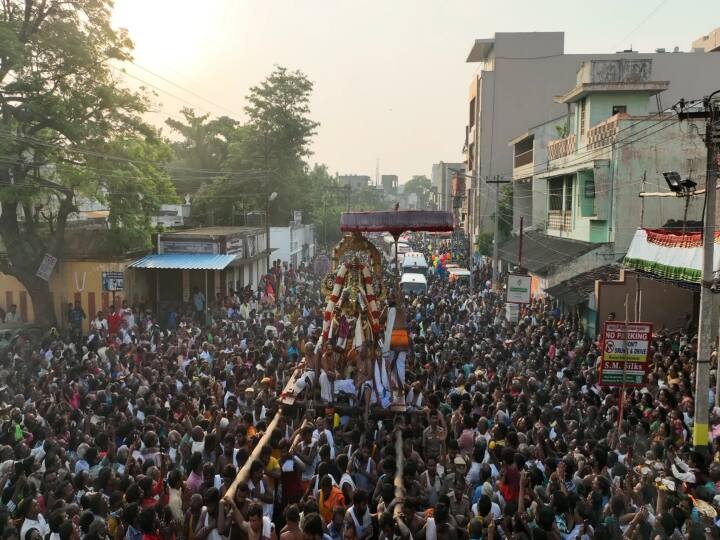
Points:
(244, 472)
(399, 485)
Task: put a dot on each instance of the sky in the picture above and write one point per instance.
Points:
(391, 82)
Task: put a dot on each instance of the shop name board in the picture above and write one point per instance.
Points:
(235, 246)
(179, 246)
(626, 351)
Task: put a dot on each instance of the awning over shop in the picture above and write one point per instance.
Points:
(576, 290)
(669, 255)
(184, 261)
(542, 252)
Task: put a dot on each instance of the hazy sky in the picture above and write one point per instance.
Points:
(390, 76)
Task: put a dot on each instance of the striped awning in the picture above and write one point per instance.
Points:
(669, 255)
(184, 261)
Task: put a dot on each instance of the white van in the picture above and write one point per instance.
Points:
(414, 263)
(413, 283)
(460, 275)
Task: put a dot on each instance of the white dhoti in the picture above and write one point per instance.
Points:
(305, 380)
(326, 389)
(347, 386)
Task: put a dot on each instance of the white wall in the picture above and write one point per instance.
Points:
(288, 242)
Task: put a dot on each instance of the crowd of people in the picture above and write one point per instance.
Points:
(137, 430)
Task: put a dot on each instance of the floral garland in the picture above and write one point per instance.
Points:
(335, 296)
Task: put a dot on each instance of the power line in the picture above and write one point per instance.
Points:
(189, 91)
(657, 8)
(102, 155)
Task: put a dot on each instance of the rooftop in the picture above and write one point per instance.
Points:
(481, 50)
(212, 231)
(541, 252)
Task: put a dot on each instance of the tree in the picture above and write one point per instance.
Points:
(420, 185)
(276, 140)
(68, 129)
(203, 150)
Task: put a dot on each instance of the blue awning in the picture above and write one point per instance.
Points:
(184, 261)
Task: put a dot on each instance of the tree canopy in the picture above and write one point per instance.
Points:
(69, 129)
(420, 185)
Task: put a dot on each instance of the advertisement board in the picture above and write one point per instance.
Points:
(113, 281)
(626, 352)
(518, 289)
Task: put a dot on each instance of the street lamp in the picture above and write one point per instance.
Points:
(270, 199)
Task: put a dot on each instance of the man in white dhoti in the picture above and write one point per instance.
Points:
(310, 373)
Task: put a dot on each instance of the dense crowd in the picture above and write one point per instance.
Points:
(137, 429)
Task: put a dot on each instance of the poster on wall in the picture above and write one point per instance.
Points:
(113, 281)
(251, 246)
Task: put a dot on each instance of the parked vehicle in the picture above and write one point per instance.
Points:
(413, 283)
(414, 263)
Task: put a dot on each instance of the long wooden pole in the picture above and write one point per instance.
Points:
(400, 461)
(244, 472)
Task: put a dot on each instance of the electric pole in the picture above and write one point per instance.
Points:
(702, 367)
(496, 228)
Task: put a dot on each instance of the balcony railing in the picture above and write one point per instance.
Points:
(559, 220)
(562, 147)
(524, 158)
(604, 134)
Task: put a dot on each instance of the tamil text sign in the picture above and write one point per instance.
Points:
(626, 350)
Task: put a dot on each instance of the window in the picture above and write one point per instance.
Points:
(555, 189)
(568, 193)
(589, 188)
(583, 110)
(617, 109)
(472, 113)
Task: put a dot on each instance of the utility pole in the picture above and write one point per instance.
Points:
(496, 229)
(702, 367)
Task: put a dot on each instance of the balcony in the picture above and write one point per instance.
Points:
(560, 220)
(523, 164)
(562, 147)
(605, 133)
(523, 158)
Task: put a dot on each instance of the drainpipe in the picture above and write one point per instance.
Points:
(611, 210)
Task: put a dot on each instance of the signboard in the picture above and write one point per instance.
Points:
(113, 281)
(251, 246)
(235, 246)
(518, 289)
(46, 267)
(180, 246)
(625, 354)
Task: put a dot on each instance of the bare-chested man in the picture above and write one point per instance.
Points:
(292, 531)
(327, 376)
(307, 379)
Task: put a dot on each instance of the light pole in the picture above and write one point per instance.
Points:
(270, 199)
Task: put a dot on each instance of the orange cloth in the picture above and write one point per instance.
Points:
(327, 506)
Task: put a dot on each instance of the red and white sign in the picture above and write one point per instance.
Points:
(626, 353)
